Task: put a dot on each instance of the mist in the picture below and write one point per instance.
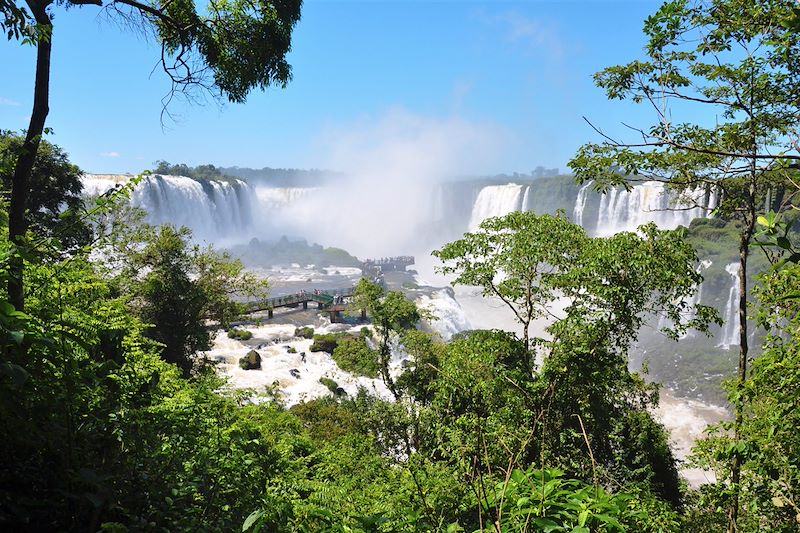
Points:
(385, 203)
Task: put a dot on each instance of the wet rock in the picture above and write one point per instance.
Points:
(295, 373)
(251, 361)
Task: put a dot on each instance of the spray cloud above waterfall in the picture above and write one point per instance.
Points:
(391, 168)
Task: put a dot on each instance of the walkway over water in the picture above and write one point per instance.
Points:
(323, 298)
(387, 264)
(331, 300)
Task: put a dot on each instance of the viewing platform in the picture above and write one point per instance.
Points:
(388, 264)
(329, 300)
(332, 300)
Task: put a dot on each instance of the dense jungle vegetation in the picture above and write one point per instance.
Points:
(111, 421)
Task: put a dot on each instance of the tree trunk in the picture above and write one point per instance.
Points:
(17, 222)
(744, 251)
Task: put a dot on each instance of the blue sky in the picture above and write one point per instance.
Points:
(515, 75)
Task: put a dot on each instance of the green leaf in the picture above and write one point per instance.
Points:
(582, 516)
(16, 373)
(17, 336)
(254, 517)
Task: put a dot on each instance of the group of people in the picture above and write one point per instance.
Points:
(339, 299)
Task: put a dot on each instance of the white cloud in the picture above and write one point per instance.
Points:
(8, 102)
(110, 154)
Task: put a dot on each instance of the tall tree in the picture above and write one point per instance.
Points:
(176, 288)
(392, 314)
(226, 47)
(732, 69)
(56, 198)
(581, 395)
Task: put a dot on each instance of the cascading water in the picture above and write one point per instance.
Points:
(214, 210)
(580, 204)
(211, 209)
(730, 329)
(495, 201)
(448, 316)
(689, 303)
(524, 206)
(95, 185)
(622, 210)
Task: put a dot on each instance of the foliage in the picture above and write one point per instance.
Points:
(175, 288)
(737, 61)
(542, 500)
(327, 342)
(200, 172)
(240, 334)
(285, 252)
(306, 332)
(768, 444)
(55, 199)
(392, 314)
(595, 408)
(529, 261)
(354, 356)
(332, 386)
(15, 21)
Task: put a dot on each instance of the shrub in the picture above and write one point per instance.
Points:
(305, 332)
(327, 342)
(333, 387)
(251, 361)
(240, 334)
(354, 356)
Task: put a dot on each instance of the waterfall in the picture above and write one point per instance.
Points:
(213, 210)
(495, 201)
(730, 329)
(448, 316)
(580, 203)
(689, 304)
(524, 206)
(95, 185)
(622, 210)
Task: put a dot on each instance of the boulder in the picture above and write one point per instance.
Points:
(251, 361)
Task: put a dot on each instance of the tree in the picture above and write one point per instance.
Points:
(732, 67)
(176, 288)
(55, 200)
(228, 48)
(392, 314)
(512, 258)
(530, 261)
(582, 394)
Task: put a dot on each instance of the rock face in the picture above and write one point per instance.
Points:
(251, 361)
